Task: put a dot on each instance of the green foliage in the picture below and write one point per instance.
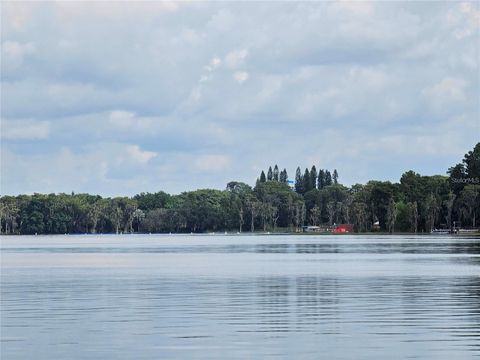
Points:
(416, 203)
(299, 183)
(275, 173)
(270, 174)
(149, 201)
(321, 179)
(262, 177)
(328, 178)
(335, 176)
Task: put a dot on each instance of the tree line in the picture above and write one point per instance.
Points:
(415, 204)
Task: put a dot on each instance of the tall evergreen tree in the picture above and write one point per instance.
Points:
(328, 178)
(313, 177)
(472, 162)
(321, 179)
(270, 174)
(299, 185)
(307, 181)
(262, 177)
(275, 173)
(335, 176)
(283, 176)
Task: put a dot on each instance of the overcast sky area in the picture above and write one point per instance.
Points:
(120, 98)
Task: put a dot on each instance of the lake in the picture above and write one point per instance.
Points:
(240, 297)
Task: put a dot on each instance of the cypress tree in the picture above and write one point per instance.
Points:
(270, 174)
(275, 173)
(321, 179)
(328, 178)
(283, 176)
(262, 177)
(335, 176)
(313, 177)
(307, 181)
(299, 181)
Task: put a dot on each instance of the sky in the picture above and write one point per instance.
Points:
(117, 98)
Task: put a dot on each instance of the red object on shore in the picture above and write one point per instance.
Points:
(344, 228)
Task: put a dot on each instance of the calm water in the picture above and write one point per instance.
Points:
(240, 297)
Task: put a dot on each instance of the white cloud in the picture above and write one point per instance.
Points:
(140, 156)
(25, 129)
(122, 118)
(222, 20)
(446, 92)
(362, 8)
(145, 89)
(466, 19)
(240, 76)
(14, 53)
(214, 63)
(236, 58)
(212, 162)
(18, 14)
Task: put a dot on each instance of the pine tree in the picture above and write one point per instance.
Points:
(275, 173)
(328, 178)
(270, 174)
(313, 177)
(335, 176)
(307, 181)
(262, 177)
(321, 179)
(299, 186)
(283, 176)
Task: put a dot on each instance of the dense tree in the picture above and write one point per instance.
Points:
(380, 195)
(469, 204)
(457, 178)
(270, 174)
(149, 201)
(313, 178)
(403, 216)
(335, 176)
(472, 164)
(416, 203)
(307, 181)
(263, 177)
(299, 184)
(321, 179)
(391, 215)
(328, 178)
(275, 173)
(449, 203)
(314, 215)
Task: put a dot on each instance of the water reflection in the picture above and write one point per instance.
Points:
(252, 300)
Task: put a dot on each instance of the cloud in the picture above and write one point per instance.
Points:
(214, 63)
(146, 96)
(465, 19)
(236, 58)
(25, 129)
(14, 54)
(445, 93)
(122, 118)
(212, 163)
(140, 156)
(240, 76)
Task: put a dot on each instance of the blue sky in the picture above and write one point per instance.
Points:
(117, 98)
